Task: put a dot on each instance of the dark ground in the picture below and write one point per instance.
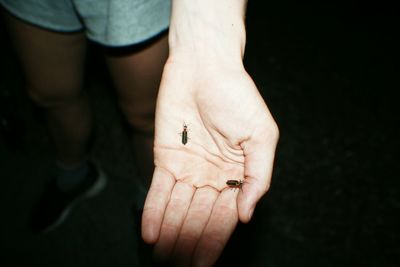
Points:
(327, 72)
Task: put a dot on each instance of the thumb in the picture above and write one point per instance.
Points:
(259, 158)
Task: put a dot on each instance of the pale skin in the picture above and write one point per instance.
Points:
(190, 212)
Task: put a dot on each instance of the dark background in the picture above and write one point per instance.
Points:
(327, 72)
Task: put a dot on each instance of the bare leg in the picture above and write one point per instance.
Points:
(53, 64)
(137, 77)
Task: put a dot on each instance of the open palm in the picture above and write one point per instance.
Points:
(190, 212)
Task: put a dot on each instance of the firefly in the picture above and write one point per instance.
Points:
(234, 183)
(184, 134)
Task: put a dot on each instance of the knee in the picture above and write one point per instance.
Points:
(48, 95)
(140, 117)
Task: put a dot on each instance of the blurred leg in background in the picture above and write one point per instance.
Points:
(137, 77)
(53, 65)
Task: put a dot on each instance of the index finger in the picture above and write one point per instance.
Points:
(259, 160)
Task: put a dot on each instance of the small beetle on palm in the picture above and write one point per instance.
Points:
(184, 134)
(235, 183)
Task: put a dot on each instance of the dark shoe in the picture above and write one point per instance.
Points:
(54, 206)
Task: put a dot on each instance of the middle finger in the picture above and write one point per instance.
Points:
(196, 220)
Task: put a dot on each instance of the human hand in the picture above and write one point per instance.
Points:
(189, 212)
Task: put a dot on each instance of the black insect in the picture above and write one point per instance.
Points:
(184, 134)
(234, 183)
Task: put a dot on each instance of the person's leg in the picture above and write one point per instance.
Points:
(53, 64)
(137, 77)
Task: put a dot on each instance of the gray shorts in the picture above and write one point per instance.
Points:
(108, 22)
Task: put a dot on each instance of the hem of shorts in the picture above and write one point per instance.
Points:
(128, 44)
(21, 17)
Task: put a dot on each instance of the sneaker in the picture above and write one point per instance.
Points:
(54, 206)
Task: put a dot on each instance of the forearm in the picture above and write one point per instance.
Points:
(207, 30)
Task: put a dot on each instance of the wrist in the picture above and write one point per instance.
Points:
(207, 31)
(206, 47)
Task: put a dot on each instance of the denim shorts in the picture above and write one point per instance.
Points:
(108, 22)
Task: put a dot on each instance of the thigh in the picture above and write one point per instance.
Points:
(53, 62)
(137, 77)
